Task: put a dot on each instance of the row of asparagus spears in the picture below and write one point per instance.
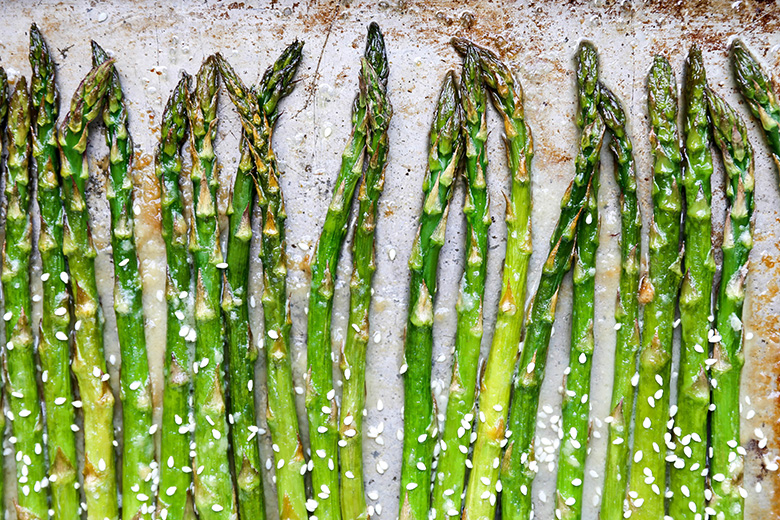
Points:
(496, 442)
(209, 459)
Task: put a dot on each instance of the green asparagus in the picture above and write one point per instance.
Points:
(626, 310)
(241, 351)
(136, 391)
(450, 474)
(320, 393)
(496, 383)
(420, 432)
(576, 405)
(519, 466)
(687, 474)
(174, 498)
(53, 346)
(353, 358)
(257, 118)
(89, 363)
(22, 386)
(726, 462)
(659, 292)
(276, 83)
(756, 87)
(214, 494)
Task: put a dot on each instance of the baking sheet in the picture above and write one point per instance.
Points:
(154, 41)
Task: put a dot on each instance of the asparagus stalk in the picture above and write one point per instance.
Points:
(451, 471)
(576, 405)
(89, 364)
(756, 87)
(174, 499)
(353, 358)
(241, 351)
(726, 462)
(53, 346)
(320, 394)
(659, 293)
(626, 310)
(214, 493)
(257, 118)
(687, 474)
(519, 467)
(3, 114)
(446, 149)
(276, 83)
(22, 387)
(496, 383)
(136, 391)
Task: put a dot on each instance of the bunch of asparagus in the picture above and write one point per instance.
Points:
(353, 355)
(258, 169)
(371, 114)
(210, 458)
(494, 390)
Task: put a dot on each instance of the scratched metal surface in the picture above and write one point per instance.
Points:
(154, 41)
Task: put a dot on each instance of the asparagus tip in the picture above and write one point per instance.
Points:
(375, 52)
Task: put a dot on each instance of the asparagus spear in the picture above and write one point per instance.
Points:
(89, 364)
(174, 499)
(276, 83)
(496, 383)
(257, 118)
(241, 351)
(446, 149)
(756, 88)
(22, 387)
(726, 462)
(53, 347)
(576, 405)
(320, 394)
(659, 292)
(136, 392)
(687, 474)
(3, 113)
(626, 310)
(451, 471)
(214, 493)
(353, 358)
(519, 467)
